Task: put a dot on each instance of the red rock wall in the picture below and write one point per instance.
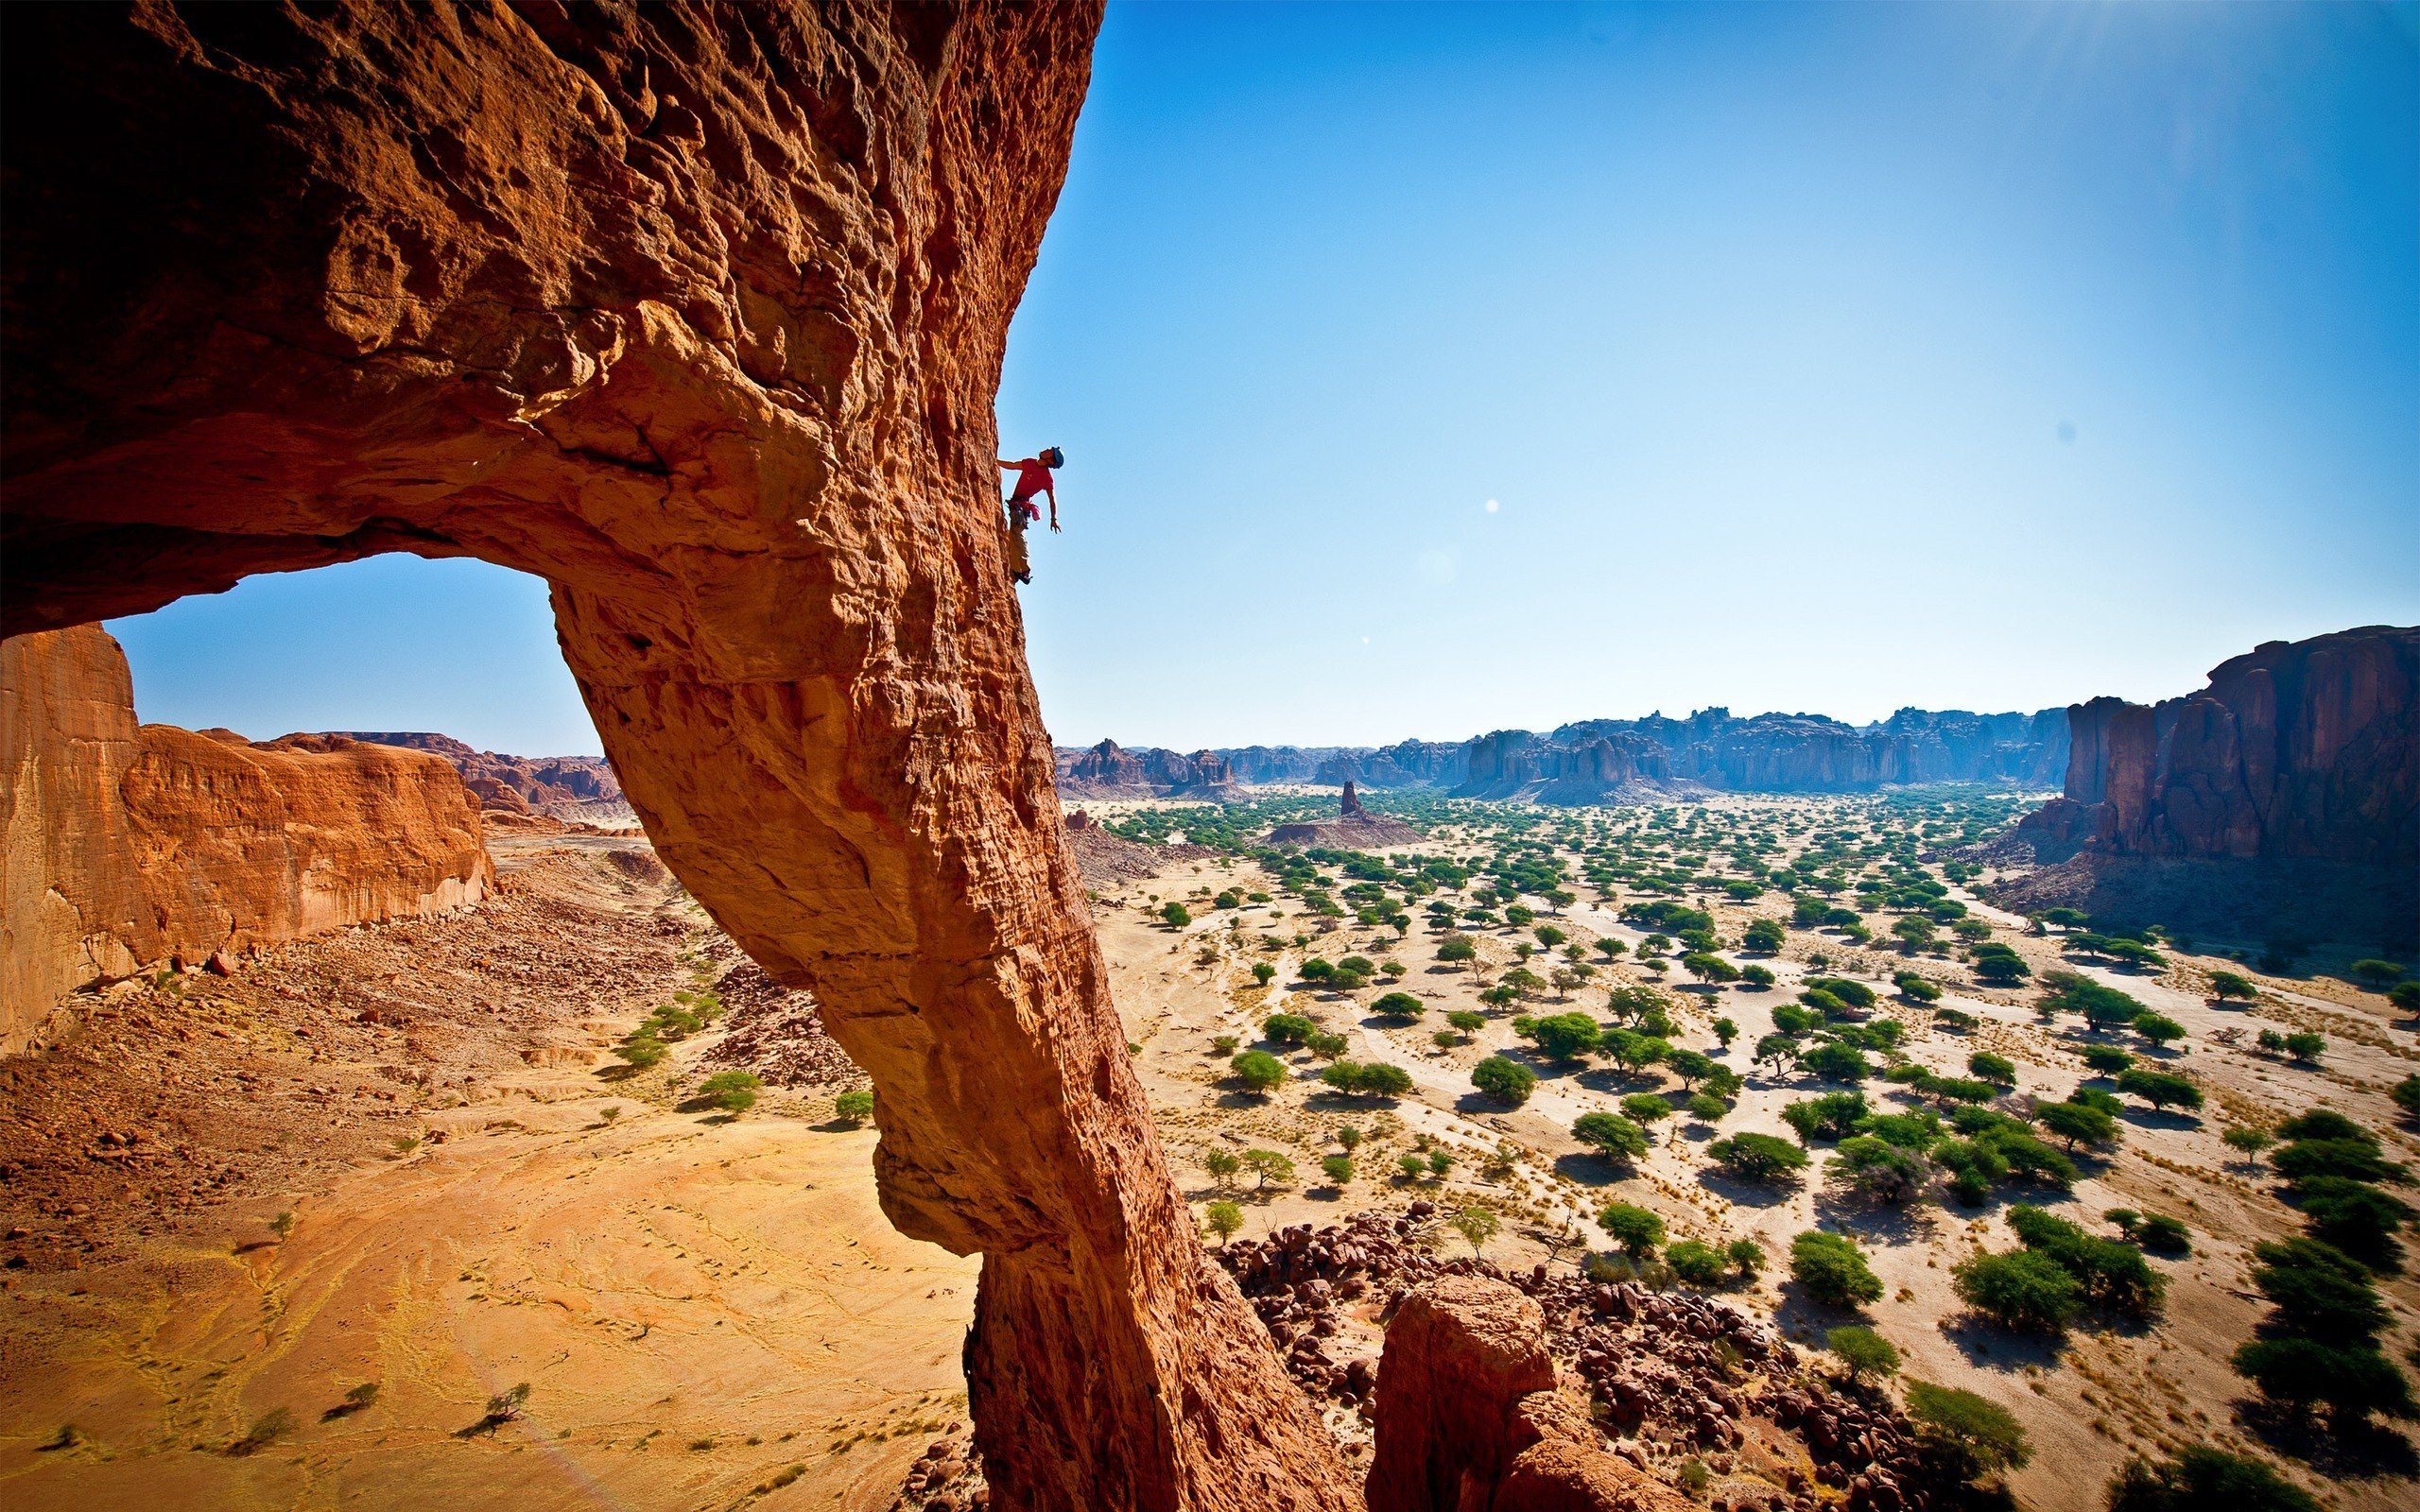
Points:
(696, 310)
(132, 845)
(2308, 749)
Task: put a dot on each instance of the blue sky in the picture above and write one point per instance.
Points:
(1825, 358)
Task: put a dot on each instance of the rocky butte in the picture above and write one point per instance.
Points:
(133, 846)
(2291, 781)
(696, 311)
(1354, 828)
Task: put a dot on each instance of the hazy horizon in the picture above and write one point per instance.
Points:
(1450, 369)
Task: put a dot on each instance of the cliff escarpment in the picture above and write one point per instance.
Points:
(1110, 771)
(2281, 803)
(2307, 750)
(130, 845)
(1617, 761)
(697, 311)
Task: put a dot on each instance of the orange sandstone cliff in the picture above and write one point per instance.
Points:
(132, 845)
(696, 310)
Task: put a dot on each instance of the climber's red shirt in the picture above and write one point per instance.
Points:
(1032, 478)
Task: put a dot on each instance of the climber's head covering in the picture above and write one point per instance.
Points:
(1054, 458)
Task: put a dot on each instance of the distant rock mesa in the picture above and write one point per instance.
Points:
(130, 846)
(578, 788)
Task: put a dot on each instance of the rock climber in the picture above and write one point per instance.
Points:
(1033, 477)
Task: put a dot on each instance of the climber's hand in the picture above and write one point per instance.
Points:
(1054, 527)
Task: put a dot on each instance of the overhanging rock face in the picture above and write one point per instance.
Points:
(696, 311)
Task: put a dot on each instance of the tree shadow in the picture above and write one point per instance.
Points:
(1479, 1105)
(2349, 1452)
(1799, 1315)
(1848, 1210)
(1594, 1169)
(1988, 1347)
(1745, 1193)
(2158, 1118)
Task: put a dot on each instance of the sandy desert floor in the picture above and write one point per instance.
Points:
(711, 1312)
(706, 1311)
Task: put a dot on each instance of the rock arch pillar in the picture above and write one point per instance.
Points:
(695, 310)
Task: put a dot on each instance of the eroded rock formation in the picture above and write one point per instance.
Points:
(1354, 828)
(2307, 750)
(580, 789)
(1110, 771)
(1469, 1418)
(697, 311)
(131, 846)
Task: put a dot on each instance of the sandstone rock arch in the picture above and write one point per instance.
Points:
(696, 310)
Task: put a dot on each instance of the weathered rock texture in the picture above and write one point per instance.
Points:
(580, 788)
(1110, 771)
(2280, 802)
(697, 311)
(1354, 828)
(1469, 1418)
(2308, 749)
(130, 845)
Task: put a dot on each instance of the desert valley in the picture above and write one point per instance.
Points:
(791, 1073)
(553, 1194)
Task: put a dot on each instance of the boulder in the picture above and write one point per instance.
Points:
(1469, 1418)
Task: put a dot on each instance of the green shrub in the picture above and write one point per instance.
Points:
(853, 1108)
(1505, 1081)
(2018, 1289)
(2351, 1382)
(1698, 1265)
(2200, 1479)
(1837, 1063)
(1373, 1080)
(1863, 1351)
(2164, 1235)
(1966, 1435)
(1832, 1116)
(1176, 915)
(1564, 1036)
(734, 1091)
(1288, 1028)
(1617, 1138)
(1758, 1156)
(1258, 1069)
(1832, 1269)
(1225, 1218)
(2159, 1087)
(1880, 1169)
(1637, 1230)
(1399, 1005)
(1337, 1169)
